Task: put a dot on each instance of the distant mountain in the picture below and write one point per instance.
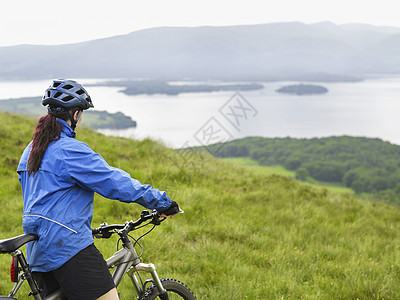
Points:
(275, 51)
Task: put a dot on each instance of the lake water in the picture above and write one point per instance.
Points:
(370, 108)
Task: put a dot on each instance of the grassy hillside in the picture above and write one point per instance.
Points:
(368, 166)
(244, 235)
(280, 170)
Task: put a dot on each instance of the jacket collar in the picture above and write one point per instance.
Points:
(66, 130)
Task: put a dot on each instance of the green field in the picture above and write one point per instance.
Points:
(244, 234)
(280, 170)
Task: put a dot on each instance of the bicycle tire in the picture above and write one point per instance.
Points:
(175, 289)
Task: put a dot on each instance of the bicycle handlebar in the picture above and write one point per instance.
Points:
(105, 230)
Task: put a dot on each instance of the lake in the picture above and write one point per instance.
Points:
(369, 108)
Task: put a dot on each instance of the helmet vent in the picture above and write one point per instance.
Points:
(68, 98)
(67, 94)
(68, 87)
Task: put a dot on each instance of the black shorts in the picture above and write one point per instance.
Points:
(85, 276)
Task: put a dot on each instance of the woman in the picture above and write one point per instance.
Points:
(59, 176)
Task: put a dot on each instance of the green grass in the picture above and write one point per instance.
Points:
(253, 165)
(334, 187)
(244, 234)
(280, 170)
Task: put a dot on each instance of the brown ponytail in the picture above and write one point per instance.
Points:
(47, 130)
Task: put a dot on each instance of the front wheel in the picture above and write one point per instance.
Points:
(175, 289)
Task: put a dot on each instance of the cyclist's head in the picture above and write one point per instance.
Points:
(66, 99)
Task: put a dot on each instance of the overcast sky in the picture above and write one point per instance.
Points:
(57, 22)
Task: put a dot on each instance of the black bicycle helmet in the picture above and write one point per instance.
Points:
(67, 94)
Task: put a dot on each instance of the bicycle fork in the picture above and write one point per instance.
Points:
(129, 262)
(149, 268)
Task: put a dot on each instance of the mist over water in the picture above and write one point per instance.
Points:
(369, 108)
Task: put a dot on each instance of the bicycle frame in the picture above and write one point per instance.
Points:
(25, 275)
(128, 262)
(125, 260)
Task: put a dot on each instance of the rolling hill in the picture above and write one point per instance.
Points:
(244, 235)
(369, 166)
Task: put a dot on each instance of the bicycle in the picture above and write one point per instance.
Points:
(125, 261)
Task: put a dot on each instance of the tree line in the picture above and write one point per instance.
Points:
(367, 165)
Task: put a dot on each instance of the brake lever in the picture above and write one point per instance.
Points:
(161, 219)
(103, 235)
(157, 221)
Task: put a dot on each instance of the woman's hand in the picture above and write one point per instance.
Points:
(171, 211)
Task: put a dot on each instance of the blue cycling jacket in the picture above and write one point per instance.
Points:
(58, 199)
